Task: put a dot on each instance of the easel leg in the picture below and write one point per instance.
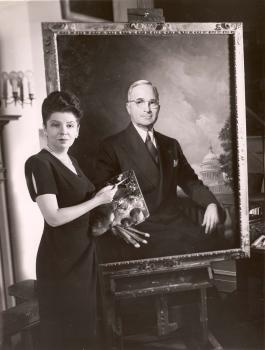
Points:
(163, 325)
(118, 327)
(207, 336)
(204, 315)
(162, 315)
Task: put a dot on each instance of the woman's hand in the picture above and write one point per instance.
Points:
(106, 194)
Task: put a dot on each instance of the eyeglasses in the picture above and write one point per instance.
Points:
(141, 103)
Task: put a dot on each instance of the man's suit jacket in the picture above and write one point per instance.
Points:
(126, 150)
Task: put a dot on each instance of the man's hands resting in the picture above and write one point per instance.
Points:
(211, 218)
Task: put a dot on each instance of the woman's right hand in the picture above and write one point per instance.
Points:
(106, 194)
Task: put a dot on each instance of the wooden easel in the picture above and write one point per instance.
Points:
(121, 285)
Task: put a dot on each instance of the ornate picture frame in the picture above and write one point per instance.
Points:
(199, 71)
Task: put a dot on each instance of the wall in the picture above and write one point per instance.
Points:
(21, 49)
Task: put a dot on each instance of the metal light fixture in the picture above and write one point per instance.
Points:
(17, 88)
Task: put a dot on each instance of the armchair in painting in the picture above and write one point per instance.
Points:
(196, 213)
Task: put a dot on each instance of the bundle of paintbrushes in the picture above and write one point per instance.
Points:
(130, 235)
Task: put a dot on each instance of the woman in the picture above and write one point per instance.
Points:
(65, 267)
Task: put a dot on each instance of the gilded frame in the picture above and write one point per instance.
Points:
(52, 31)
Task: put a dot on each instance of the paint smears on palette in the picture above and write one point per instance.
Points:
(128, 207)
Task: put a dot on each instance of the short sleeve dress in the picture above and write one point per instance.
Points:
(66, 261)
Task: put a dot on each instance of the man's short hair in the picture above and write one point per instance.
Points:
(142, 82)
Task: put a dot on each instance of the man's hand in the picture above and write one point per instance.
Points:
(211, 218)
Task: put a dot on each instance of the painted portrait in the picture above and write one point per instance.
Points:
(198, 72)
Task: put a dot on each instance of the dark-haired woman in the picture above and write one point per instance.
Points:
(65, 267)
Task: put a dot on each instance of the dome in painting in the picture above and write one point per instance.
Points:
(212, 176)
(210, 162)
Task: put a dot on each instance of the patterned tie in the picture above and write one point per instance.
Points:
(151, 148)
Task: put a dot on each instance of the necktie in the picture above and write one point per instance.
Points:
(151, 148)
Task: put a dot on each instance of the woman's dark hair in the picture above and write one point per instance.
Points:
(60, 101)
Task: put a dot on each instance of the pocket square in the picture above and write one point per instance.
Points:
(175, 163)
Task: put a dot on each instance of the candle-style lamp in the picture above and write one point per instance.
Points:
(17, 87)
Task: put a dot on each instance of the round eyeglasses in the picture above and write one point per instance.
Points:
(141, 103)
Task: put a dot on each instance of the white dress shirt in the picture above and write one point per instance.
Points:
(143, 134)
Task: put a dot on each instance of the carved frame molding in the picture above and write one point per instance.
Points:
(50, 33)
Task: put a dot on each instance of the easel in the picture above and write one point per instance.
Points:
(119, 284)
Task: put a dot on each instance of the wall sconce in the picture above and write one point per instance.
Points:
(17, 87)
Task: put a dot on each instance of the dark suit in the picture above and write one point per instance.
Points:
(171, 232)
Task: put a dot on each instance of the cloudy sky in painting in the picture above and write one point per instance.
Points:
(191, 72)
(194, 93)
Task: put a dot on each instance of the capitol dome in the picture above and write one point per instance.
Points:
(211, 174)
(210, 162)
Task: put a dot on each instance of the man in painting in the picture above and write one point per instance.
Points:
(160, 166)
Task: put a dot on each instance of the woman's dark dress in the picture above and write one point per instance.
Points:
(66, 267)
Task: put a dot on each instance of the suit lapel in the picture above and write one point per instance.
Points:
(138, 153)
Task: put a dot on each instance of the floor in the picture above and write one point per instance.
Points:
(236, 326)
(229, 323)
(232, 324)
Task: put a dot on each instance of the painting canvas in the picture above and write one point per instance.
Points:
(199, 72)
